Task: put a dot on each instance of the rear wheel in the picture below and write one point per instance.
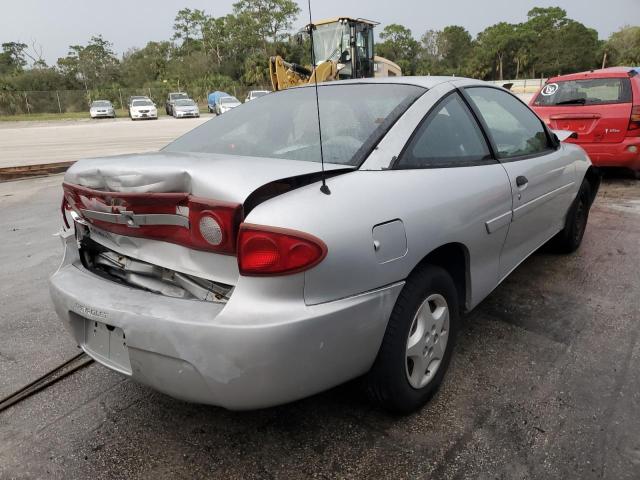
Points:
(418, 342)
(570, 237)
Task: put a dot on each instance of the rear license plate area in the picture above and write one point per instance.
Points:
(107, 344)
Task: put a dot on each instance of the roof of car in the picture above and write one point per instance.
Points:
(426, 81)
(600, 73)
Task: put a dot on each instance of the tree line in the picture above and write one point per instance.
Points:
(207, 52)
(548, 43)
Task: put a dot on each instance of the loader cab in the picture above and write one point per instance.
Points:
(348, 42)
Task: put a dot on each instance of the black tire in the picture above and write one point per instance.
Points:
(570, 237)
(387, 382)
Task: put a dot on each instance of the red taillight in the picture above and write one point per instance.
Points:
(634, 121)
(277, 251)
(212, 225)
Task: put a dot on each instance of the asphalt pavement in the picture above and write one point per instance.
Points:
(544, 382)
(34, 143)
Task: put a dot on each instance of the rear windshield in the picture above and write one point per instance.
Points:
(594, 91)
(284, 124)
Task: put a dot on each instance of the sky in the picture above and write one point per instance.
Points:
(56, 24)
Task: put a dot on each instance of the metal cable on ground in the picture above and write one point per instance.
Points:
(58, 373)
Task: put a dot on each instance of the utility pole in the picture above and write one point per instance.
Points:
(604, 59)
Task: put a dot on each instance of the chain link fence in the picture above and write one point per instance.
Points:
(67, 101)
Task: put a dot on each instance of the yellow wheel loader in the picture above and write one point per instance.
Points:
(343, 49)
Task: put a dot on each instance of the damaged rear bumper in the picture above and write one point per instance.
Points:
(247, 353)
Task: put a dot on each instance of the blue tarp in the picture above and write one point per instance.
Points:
(215, 96)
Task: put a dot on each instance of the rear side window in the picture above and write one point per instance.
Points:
(449, 137)
(514, 129)
(593, 91)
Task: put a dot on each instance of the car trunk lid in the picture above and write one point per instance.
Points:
(593, 124)
(594, 105)
(222, 177)
(149, 207)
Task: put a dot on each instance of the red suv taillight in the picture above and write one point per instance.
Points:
(277, 251)
(634, 121)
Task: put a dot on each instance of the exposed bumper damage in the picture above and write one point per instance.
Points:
(256, 349)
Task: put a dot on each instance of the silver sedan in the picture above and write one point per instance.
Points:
(230, 268)
(185, 107)
(102, 109)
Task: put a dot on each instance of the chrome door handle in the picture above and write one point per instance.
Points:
(521, 180)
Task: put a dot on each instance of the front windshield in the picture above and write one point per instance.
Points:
(101, 103)
(330, 40)
(176, 96)
(142, 103)
(229, 100)
(185, 103)
(257, 94)
(284, 124)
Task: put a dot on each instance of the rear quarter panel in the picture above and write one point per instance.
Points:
(436, 206)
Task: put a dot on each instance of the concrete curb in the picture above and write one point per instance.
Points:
(28, 171)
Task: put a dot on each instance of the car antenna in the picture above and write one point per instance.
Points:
(324, 188)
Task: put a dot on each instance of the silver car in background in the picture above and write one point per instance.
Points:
(185, 107)
(171, 99)
(226, 103)
(102, 109)
(253, 94)
(219, 271)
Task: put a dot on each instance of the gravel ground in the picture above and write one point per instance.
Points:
(544, 382)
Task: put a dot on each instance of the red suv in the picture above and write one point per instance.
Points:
(602, 107)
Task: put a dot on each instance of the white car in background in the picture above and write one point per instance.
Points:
(102, 109)
(143, 108)
(253, 94)
(225, 104)
(185, 107)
